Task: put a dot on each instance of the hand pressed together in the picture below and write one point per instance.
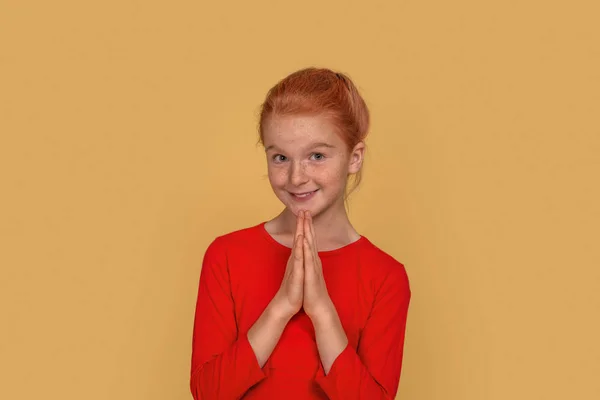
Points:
(316, 297)
(290, 295)
(303, 283)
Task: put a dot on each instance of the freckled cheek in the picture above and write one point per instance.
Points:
(331, 176)
(277, 176)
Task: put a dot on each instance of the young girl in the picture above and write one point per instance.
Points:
(302, 306)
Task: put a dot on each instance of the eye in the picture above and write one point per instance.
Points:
(277, 158)
(319, 156)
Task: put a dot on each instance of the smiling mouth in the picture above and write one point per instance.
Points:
(302, 195)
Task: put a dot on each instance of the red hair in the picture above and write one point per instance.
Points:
(317, 91)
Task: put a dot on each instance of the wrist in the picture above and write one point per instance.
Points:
(278, 312)
(325, 315)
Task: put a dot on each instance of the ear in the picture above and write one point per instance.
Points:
(356, 158)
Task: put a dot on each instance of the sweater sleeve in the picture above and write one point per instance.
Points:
(372, 371)
(223, 365)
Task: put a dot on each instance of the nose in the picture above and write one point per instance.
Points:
(298, 174)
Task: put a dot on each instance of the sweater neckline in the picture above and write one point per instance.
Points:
(325, 253)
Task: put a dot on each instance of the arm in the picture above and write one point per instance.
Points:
(266, 331)
(226, 363)
(373, 370)
(330, 336)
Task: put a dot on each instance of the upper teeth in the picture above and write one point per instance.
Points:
(303, 194)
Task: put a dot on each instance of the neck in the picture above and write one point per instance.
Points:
(333, 225)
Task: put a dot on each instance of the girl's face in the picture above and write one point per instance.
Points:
(308, 163)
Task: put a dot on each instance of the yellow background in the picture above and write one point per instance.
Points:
(128, 133)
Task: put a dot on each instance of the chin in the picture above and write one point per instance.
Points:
(315, 205)
(315, 209)
(296, 207)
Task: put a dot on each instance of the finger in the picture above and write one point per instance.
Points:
(298, 264)
(299, 223)
(310, 234)
(298, 249)
(295, 257)
(306, 226)
(309, 263)
(299, 261)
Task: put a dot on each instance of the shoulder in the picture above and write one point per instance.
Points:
(243, 238)
(226, 250)
(380, 259)
(384, 267)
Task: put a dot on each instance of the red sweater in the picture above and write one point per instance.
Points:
(242, 271)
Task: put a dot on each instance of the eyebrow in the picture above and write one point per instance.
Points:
(315, 145)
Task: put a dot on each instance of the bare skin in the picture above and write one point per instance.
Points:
(306, 155)
(303, 286)
(266, 331)
(277, 228)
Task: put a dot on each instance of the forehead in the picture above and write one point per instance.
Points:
(299, 131)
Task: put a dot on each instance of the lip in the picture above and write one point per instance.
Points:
(304, 198)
